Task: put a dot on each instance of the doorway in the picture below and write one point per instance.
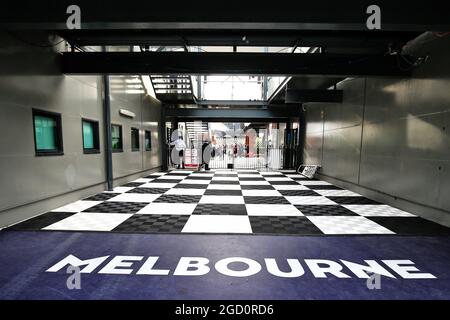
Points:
(237, 145)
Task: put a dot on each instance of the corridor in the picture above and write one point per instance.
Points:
(251, 152)
(225, 201)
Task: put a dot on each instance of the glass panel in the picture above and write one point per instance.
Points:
(116, 138)
(194, 81)
(273, 83)
(45, 130)
(211, 48)
(148, 140)
(148, 86)
(232, 88)
(88, 135)
(135, 139)
(264, 49)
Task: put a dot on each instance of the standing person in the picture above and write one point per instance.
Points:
(205, 145)
(180, 146)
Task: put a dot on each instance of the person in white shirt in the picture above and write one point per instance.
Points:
(179, 146)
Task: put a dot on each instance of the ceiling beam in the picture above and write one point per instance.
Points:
(241, 38)
(194, 63)
(301, 96)
(230, 103)
(399, 15)
(236, 113)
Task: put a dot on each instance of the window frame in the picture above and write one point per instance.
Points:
(134, 149)
(59, 151)
(96, 134)
(150, 139)
(120, 136)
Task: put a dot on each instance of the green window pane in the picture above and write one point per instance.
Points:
(115, 135)
(115, 131)
(88, 135)
(45, 131)
(116, 143)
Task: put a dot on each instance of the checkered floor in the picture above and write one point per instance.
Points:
(243, 201)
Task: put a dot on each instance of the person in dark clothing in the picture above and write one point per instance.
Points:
(205, 161)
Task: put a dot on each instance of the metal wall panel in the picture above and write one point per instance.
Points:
(151, 115)
(405, 146)
(312, 153)
(147, 116)
(348, 113)
(26, 178)
(407, 154)
(340, 137)
(341, 153)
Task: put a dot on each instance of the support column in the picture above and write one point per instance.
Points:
(107, 128)
(286, 151)
(163, 139)
(301, 137)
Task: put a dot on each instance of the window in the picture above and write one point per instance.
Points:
(232, 87)
(116, 135)
(90, 136)
(148, 140)
(134, 139)
(47, 133)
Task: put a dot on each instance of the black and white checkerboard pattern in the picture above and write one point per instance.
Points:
(222, 201)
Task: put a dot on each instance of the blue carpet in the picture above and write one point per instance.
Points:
(25, 257)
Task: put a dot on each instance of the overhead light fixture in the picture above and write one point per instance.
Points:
(127, 113)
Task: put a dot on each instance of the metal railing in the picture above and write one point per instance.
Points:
(265, 158)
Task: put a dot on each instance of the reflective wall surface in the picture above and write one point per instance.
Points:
(390, 135)
(30, 78)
